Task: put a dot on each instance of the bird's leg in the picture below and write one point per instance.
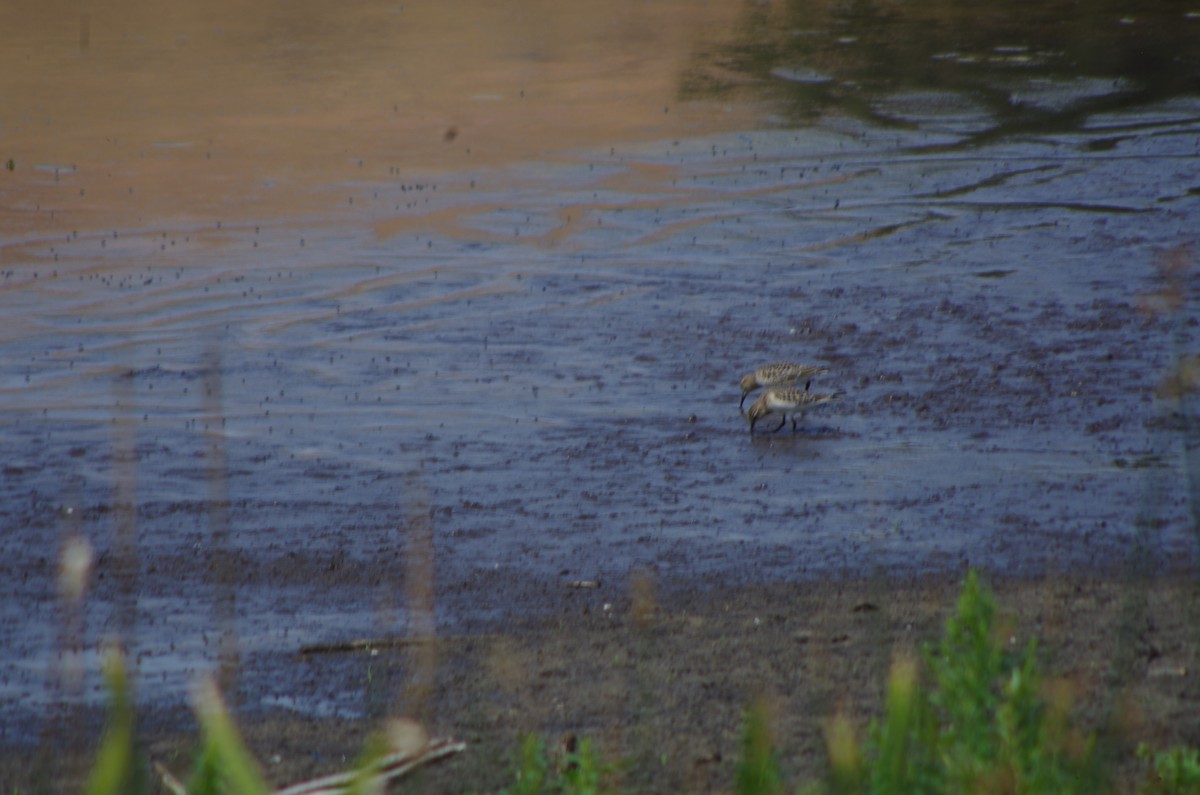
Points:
(782, 422)
(807, 384)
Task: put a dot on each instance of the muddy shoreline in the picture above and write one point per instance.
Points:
(516, 411)
(322, 451)
(661, 676)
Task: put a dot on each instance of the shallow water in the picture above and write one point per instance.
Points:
(535, 354)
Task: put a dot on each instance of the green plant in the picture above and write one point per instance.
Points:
(904, 744)
(532, 768)
(981, 725)
(758, 767)
(579, 773)
(206, 773)
(118, 768)
(995, 725)
(223, 765)
(224, 758)
(583, 771)
(1175, 771)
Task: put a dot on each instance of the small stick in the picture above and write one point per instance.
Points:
(362, 644)
(387, 768)
(173, 785)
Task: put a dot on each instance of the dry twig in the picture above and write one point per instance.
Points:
(385, 769)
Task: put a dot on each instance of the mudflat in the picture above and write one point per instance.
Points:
(659, 676)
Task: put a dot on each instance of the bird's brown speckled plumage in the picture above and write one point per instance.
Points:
(777, 374)
(784, 401)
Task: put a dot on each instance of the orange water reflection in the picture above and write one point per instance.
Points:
(136, 113)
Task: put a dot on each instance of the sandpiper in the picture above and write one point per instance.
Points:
(777, 374)
(784, 401)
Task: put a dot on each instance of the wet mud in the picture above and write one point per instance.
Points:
(562, 404)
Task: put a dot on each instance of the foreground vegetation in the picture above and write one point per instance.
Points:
(976, 719)
(971, 713)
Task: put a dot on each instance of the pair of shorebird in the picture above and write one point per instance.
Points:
(782, 396)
